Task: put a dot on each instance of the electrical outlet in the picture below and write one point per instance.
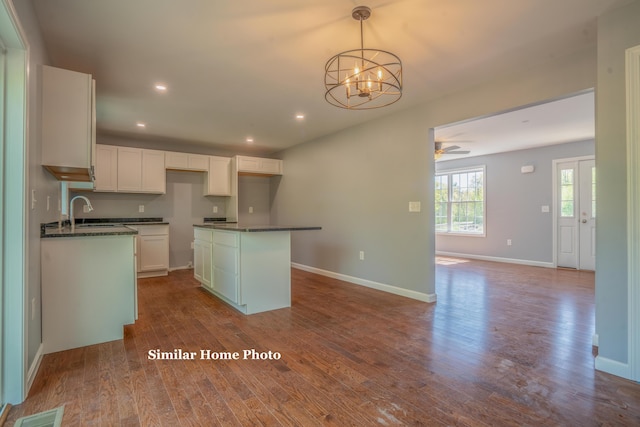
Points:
(215, 209)
(508, 242)
(361, 255)
(140, 208)
(250, 209)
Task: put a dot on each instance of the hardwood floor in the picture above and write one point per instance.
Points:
(504, 345)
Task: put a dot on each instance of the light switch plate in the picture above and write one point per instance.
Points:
(140, 208)
(414, 206)
(545, 208)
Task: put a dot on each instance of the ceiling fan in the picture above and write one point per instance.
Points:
(453, 149)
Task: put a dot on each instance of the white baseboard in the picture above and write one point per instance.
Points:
(369, 283)
(498, 259)
(184, 267)
(33, 369)
(613, 367)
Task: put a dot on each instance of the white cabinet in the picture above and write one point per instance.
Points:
(258, 165)
(186, 161)
(152, 249)
(88, 290)
(106, 171)
(202, 249)
(251, 271)
(226, 256)
(141, 171)
(68, 123)
(218, 179)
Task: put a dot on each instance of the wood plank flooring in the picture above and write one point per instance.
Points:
(504, 345)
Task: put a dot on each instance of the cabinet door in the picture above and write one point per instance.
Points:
(67, 130)
(106, 168)
(176, 160)
(271, 166)
(129, 169)
(154, 253)
(218, 180)
(198, 162)
(153, 172)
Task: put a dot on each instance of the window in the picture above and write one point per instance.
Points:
(459, 201)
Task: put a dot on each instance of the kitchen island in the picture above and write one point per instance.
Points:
(247, 266)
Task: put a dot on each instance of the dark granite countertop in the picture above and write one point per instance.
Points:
(254, 228)
(126, 221)
(85, 230)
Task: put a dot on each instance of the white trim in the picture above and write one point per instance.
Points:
(14, 226)
(369, 283)
(33, 369)
(612, 367)
(184, 267)
(594, 340)
(554, 204)
(633, 211)
(498, 259)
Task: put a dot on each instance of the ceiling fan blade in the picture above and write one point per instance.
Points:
(453, 147)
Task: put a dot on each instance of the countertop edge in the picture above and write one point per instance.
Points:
(255, 228)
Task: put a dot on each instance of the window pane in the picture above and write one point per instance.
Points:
(566, 193)
(461, 208)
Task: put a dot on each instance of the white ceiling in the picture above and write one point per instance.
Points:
(245, 68)
(556, 122)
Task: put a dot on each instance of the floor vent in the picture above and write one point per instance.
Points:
(52, 418)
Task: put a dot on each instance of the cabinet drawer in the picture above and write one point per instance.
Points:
(224, 238)
(151, 230)
(202, 234)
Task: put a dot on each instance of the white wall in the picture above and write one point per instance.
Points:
(513, 204)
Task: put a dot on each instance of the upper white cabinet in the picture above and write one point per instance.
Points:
(106, 168)
(141, 171)
(186, 161)
(217, 181)
(258, 165)
(68, 123)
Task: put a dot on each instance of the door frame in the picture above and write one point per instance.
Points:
(633, 210)
(554, 204)
(13, 179)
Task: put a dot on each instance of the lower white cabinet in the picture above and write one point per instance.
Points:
(88, 290)
(226, 255)
(152, 249)
(202, 249)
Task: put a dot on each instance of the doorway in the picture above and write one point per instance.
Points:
(574, 207)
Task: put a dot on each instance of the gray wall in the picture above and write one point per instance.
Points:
(38, 180)
(617, 31)
(357, 183)
(513, 203)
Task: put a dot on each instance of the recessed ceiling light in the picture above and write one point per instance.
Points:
(141, 125)
(249, 140)
(161, 87)
(300, 116)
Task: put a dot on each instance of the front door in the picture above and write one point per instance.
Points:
(576, 201)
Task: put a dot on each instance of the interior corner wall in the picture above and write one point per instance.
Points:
(513, 204)
(618, 30)
(357, 183)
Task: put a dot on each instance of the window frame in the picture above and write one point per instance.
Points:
(449, 173)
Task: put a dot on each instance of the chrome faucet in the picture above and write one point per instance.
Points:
(71, 218)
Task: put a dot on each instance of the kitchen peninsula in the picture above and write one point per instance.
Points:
(248, 267)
